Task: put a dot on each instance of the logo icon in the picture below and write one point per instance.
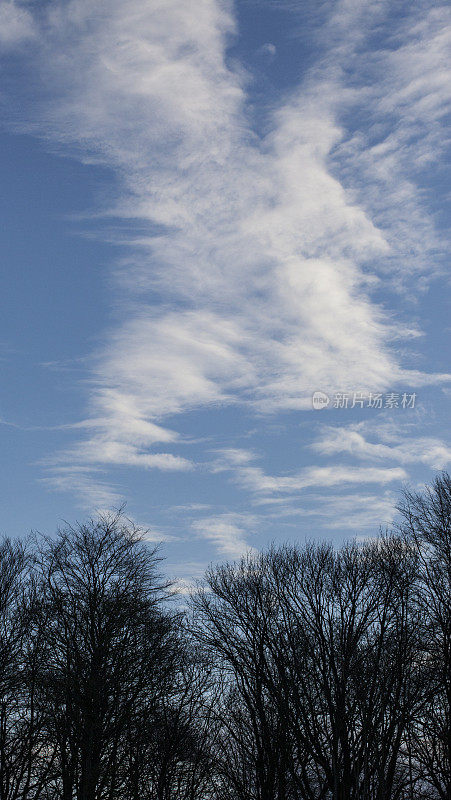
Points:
(320, 400)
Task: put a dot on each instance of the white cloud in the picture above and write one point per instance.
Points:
(229, 456)
(405, 97)
(227, 532)
(263, 245)
(100, 450)
(352, 511)
(400, 447)
(257, 480)
(268, 49)
(16, 24)
(91, 491)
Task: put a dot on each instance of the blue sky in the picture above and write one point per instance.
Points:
(211, 211)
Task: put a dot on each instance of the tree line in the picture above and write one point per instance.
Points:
(299, 673)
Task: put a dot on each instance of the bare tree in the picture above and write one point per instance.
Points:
(301, 673)
(348, 652)
(236, 617)
(108, 642)
(321, 652)
(169, 739)
(24, 765)
(426, 522)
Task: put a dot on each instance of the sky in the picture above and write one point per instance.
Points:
(225, 288)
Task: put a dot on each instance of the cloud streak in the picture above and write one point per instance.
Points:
(255, 479)
(351, 440)
(228, 532)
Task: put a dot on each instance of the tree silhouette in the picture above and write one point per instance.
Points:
(299, 673)
(109, 646)
(426, 522)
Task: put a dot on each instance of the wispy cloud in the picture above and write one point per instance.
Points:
(228, 532)
(265, 249)
(86, 484)
(403, 90)
(16, 25)
(255, 479)
(395, 445)
(352, 511)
